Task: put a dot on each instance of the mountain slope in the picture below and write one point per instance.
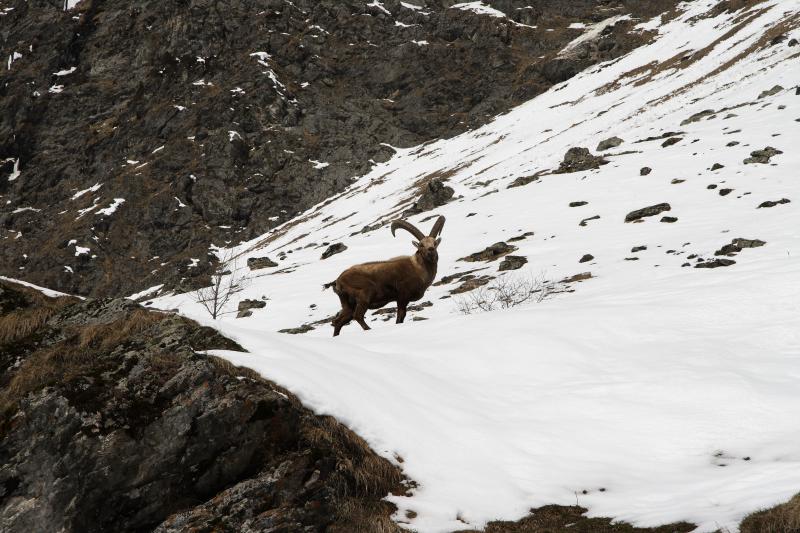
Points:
(655, 390)
(133, 135)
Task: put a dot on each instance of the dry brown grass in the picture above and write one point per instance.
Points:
(37, 310)
(234, 371)
(370, 474)
(784, 518)
(101, 337)
(71, 358)
(19, 324)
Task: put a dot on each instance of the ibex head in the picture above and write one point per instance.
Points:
(426, 244)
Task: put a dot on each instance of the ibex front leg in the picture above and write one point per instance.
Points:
(401, 311)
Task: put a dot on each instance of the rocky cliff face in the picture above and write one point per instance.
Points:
(134, 134)
(110, 420)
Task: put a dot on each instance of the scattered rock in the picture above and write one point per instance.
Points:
(647, 212)
(725, 192)
(717, 166)
(737, 245)
(748, 243)
(697, 116)
(715, 263)
(490, 253)
(644, 171)
(677, 181)
(577, 204)
(577, 277)
(712, 186)
(732, 143)
(585, 220)
(775, 90)
(333, 249)
(577, 159)
(671, 141)
(669, 220)
(792, 42)
(256, 263)
(521, 237)
(612, 142)
(762, 156)
(457, 276)
(524, 180)
(305, 328)
(512, 262)
(638, 248)
(434, 194)
(472, 284)
(245, 307)
(773, 203)
(631, 259)
(728, 249)
(392, 311)
(586, 258)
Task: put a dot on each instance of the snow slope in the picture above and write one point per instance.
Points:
(654, 392)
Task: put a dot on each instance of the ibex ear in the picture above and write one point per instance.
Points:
(415, 243)
(438, 241)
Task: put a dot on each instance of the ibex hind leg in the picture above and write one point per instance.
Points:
(344, 316)
(361, 310)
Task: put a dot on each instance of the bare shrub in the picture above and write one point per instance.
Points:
(226, 281)
(505, 292)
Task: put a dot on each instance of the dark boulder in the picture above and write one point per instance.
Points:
(434, 194)
(773, 203)
(578, 159)
(715, 263)
(611, 142)
(256, 263)
(245, 306)
(512, 262)
(762, 156)
(333, 249)
(647, 212)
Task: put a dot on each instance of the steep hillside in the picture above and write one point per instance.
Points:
(135, 134)
(112, 419)
(652, 203)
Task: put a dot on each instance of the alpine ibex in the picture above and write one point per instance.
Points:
(402, 279)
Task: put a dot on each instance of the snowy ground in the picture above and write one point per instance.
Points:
(671, 388)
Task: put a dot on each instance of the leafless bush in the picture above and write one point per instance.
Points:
(505, 292)
(226, 281)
